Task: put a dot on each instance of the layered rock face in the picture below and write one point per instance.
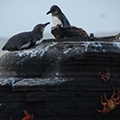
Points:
(59, 80)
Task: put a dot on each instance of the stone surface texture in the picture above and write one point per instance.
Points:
(57, 80)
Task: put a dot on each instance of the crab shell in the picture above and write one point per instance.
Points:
(110, 105)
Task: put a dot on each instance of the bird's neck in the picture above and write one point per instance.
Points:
(38, 33)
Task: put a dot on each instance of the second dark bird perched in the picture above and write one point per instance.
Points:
(26, 39)
(62, 27)
(58, 16)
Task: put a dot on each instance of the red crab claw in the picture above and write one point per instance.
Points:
(10, 118)
(27, 115)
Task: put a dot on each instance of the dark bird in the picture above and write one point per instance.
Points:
(58, 16)
(25, 40)
(69, 31)
(62, 27)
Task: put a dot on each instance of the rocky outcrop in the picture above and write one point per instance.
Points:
(59, 80)
(45, 60)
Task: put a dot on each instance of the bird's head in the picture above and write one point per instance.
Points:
(54, 10)
(40, 27)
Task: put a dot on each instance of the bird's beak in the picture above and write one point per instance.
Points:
(46, 24)
(49, 12)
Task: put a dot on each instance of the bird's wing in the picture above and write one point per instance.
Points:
(14, 42)
(20, 41)
(65, 21)
(29, 40)
(17, 41)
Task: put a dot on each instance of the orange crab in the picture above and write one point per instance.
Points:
(109, 104)
(27, 116)
(105, 77)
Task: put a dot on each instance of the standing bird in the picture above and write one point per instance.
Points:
(58, 16)
(62, 27)
(25, 40)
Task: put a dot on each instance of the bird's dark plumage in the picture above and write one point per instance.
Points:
(66, 32)
(58, 16)
(26, 39)
(62, 27)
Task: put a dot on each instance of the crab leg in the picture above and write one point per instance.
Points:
(117, 103)
(27, 115)
(106, 111)
(10, 118)
(118, 97)
(113, 95)
(102, 111)
(105, 97)
(32, 117)
(103, 104)
(111, 103)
